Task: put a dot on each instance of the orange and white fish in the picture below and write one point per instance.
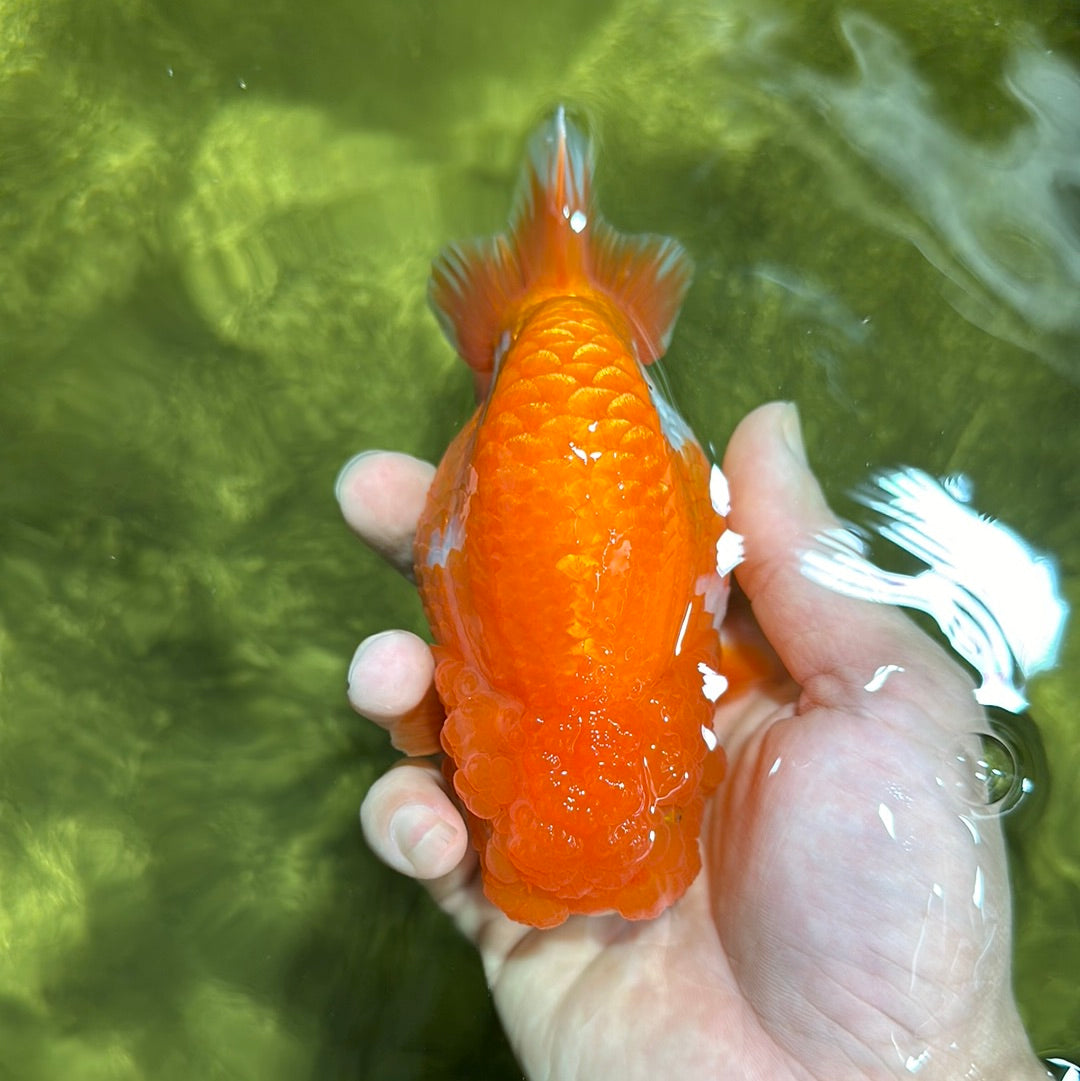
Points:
(567, 560)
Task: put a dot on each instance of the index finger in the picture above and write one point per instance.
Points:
(381, 494)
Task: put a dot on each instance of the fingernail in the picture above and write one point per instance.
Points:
(339, 480)
(421, 836)
(362, 649)
(791, 429)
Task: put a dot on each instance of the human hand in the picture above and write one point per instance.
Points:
(852, 919)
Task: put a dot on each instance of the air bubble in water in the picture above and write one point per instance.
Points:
(999, 772)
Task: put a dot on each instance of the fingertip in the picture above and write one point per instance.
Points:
(777, 503)
(429, 842)
(790, 427)
(389, 675)
(381, 495)
(779, 507)
(411, 824)
(341, 481)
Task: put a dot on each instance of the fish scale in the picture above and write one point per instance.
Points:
(557, 511)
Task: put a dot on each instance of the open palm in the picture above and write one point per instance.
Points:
(852, 919)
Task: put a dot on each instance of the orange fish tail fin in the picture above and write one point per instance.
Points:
(557, 244)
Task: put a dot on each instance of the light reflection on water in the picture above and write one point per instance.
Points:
(996, 599)
(1006, 215)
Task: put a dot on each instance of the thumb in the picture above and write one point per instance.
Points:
(832, 645)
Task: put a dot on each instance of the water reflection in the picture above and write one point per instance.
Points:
(1006, 214)
(995, 598)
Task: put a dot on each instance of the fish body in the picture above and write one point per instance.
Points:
(566, 559)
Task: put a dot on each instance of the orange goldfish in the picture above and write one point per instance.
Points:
(567, 560)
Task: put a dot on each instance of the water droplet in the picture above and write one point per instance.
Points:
(914, 1063)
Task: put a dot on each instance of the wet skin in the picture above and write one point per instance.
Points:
(852, 919)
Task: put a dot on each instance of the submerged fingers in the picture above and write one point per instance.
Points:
(389, 674)
(391, 683)
(409, 816)
(412, 825)
(381, 494)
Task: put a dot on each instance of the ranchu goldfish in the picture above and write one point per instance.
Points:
(567, 560)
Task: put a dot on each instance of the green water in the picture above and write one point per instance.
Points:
(215, 226)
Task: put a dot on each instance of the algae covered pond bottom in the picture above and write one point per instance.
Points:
(217, 225)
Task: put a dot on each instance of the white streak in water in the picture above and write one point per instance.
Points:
(887, 820)
(995, 597)
(675, 429)
(712, 683)
(730, 552)
(719, 491)
(877, 680)
(682, 629)
(441, 543)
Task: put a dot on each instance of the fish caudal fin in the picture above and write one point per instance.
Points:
(557, 244)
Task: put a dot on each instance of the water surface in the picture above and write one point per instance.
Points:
(216, 222)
